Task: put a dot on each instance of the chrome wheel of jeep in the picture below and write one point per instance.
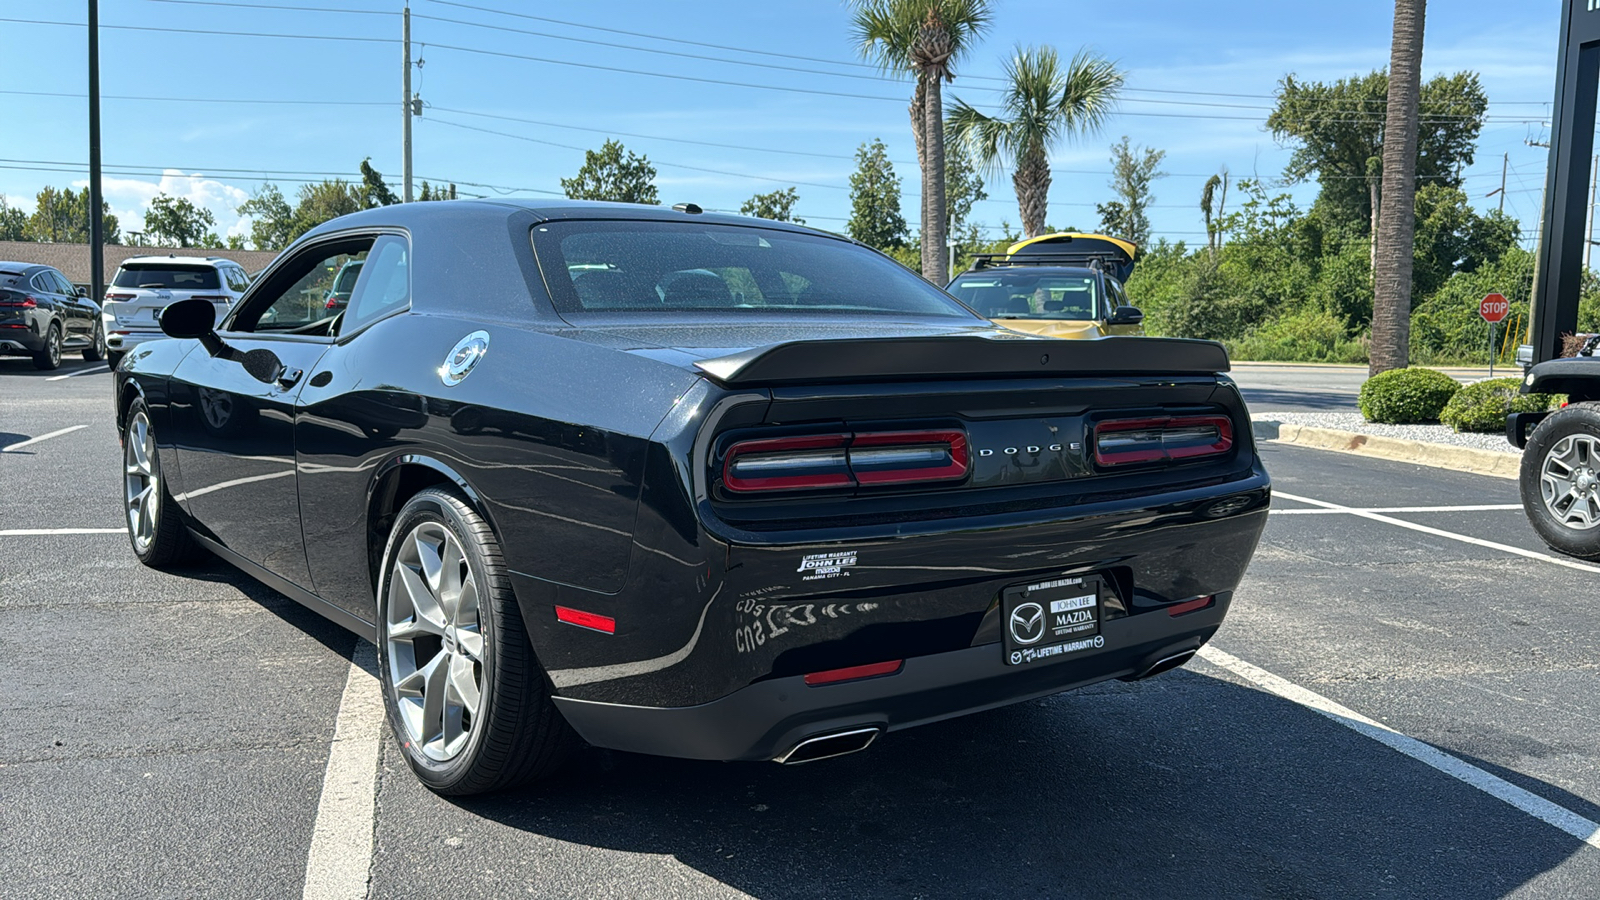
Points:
(1569, 480)
(435, 647)
(141, 483)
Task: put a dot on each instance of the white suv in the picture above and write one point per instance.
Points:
(145, 285)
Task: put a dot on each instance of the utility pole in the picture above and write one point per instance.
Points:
(405, 105)
(1588, 233)
(97, 237)
(1505, 163)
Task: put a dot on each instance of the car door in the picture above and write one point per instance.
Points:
(61, 308)
(84, 311)
(349, 416)
(235, 433)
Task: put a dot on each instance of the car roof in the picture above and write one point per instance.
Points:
(185, 260)
(1030, 270)
(22, 267)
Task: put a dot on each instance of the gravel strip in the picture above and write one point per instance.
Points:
(1350, 421)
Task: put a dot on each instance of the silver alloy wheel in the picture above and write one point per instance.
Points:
(435, 648)
(52, 343)
(100, 341)
(141, 482)
(1569, 479)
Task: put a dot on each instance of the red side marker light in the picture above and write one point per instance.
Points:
(853, 673)
(1189, 606)
(593, 621)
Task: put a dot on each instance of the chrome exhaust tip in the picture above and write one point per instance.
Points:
(1165, 665)
(828, 746)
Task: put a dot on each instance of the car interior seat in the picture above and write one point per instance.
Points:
(697, 289)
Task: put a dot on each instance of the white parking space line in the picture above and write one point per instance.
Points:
(1439, 532)
(35, 532)
(90, 371)
(340, 862)
(12, 448)
(1565, 819)
(1487, 507)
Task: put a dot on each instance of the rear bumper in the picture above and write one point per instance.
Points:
(18, 340)
(123, 341)
(765, 720)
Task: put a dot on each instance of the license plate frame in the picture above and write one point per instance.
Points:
(1051, 617)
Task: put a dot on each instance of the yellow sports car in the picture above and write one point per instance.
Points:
(1057, 285)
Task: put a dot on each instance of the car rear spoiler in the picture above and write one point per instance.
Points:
(963, 356)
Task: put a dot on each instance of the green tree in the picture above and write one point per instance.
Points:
(776, 205)
(963, 186)
(613, 173)
(62, 215)
(272, 219)
(177, 222)
(875, 218)
(924, 39)
(1337, 130)
(1393, 262)
(372, 191)
(1214, 206)
(13, 222)
(1043, 104)
(322, 201)
(430, 192)
(1132, 172)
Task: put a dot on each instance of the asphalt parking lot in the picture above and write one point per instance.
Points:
(171, 735)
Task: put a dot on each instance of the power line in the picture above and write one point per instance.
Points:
(203, 99)
(670, 165)
(277, 6)
(207, 31)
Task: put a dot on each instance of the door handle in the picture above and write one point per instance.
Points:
(288, 378)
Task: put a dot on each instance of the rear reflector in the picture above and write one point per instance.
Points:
(583, 619)
(1189, 606)
(1121, 442)
(834, 676)
(846, 460)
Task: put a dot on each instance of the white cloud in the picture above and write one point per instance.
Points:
(130, 198)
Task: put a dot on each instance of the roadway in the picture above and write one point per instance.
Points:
(171, 734)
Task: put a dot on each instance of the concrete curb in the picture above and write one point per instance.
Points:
(1421, 453)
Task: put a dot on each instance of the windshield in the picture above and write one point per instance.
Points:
(164, 275)
(690, 266)
(1016, 295)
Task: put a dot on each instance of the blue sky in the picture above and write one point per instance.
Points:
(216, 153)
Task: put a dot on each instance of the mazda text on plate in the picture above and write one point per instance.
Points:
(678, 483)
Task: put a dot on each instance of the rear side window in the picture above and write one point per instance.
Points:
(169, 277)
(689, 266)
(383, 285)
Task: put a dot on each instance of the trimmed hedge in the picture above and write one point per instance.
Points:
(1483, 407)
(1406, 396)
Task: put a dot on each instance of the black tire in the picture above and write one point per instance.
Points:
(168, 544)
(114, 358)
(96, 350)
(516, 735)
(50, 357)
(1570, 435)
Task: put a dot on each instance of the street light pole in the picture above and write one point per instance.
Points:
(97, 260)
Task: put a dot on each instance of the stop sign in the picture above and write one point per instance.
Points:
(1493, 308)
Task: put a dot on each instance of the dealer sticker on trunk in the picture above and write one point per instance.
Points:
(1051, 618)
(820, 566)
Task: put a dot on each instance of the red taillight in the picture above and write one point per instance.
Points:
(589, 620)
(25, 303)
(788, 464)
(110, 296)
(332, 302)
(809, 462)
(1189, 606)
(834, 676)
(1121, 442)
(904, 457)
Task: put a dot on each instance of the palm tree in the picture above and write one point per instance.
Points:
(1396, 231)
(923, 38)
(1043, 104)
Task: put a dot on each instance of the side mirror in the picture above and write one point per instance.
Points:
(1126, 315)
(189, 319)
(82, 291)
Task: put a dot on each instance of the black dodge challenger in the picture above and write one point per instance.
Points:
(684, 484)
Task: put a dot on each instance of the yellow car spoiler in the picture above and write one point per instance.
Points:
(1114, 255)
